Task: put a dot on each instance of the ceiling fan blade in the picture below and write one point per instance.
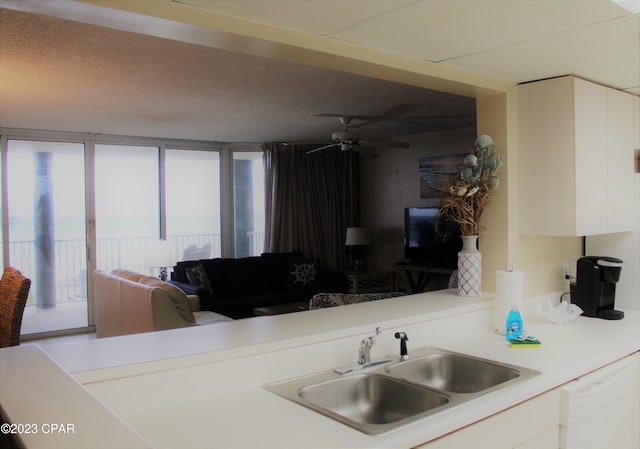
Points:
(322, 148)
(367, 152)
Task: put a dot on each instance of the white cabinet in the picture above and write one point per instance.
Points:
(620, 161)
(575, 158)
(598, 410)
(532, 424)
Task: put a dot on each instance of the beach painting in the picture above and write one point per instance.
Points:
(436, 171)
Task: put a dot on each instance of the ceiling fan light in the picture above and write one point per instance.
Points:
(341, 136)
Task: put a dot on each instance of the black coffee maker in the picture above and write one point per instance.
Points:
(594, 289)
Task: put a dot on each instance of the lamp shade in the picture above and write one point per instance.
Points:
(358, 236)
(159, 254)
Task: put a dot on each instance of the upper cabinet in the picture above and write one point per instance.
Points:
(576, 144)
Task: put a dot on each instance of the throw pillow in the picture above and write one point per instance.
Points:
(198, 276)
(323, 300)
(177, 297)
(303, 273)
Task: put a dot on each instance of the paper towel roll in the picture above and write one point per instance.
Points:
(510, 287)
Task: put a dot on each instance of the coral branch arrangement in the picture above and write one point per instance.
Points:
(469, 193)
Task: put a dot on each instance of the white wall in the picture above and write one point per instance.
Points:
(625, 246)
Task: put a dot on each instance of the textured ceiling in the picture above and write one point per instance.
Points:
(127, 79)
(63, 75)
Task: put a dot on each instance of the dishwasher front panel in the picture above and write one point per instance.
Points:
(601, 410)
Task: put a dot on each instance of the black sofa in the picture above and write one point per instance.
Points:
(235, 287)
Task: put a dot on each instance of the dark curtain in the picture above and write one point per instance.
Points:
(311, 199)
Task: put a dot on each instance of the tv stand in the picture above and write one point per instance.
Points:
(415, 277)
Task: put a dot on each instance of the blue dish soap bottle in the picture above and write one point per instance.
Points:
(514, 324)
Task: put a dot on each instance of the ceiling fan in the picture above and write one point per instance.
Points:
(347, 140)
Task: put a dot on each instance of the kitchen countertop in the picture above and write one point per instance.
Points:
(189, 387)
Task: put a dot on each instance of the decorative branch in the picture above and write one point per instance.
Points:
(470, 192)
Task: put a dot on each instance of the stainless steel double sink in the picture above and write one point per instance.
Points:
(394, 394)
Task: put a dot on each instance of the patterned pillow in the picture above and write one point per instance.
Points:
(303, 273)
(198, 276)
(322, 300)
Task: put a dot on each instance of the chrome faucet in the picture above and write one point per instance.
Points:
(364, 354)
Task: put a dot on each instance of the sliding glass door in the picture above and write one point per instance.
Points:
(127, 204)
(46, 228)
(76, 203)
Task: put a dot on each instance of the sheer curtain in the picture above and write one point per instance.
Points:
(310, 201)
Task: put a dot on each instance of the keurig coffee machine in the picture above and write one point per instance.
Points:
(594, 289)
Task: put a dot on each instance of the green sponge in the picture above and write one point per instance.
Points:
(525, 342)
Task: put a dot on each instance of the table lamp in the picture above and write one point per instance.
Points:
(159, 254)
(357, 242)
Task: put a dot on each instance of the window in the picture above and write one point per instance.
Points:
(193, 203)
(127, 205)
(248, 201)
(100, 204)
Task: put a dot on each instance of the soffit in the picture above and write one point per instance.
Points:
(514, 41)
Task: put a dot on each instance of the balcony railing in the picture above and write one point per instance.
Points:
(70, 258)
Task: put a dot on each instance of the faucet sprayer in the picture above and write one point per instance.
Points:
(404, 355)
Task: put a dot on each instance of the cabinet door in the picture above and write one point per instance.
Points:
(636, 408)
(547, 440)
(620, 160)
(590, 158)
(546, 181)
(525, 425)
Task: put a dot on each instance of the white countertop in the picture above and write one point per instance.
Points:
(52, 410)
(190, 387)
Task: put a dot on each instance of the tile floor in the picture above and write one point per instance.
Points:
(72, 315)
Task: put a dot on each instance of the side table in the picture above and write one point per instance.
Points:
(299, 306)
(370, 282)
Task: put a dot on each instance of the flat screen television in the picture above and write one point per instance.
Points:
(430, 241)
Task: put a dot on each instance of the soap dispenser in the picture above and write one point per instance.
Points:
(514, 324)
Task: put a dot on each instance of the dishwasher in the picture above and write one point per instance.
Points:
(601, 409)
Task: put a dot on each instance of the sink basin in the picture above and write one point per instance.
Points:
(386, 396)
(372, 399)
(371, 403)
(454, 373)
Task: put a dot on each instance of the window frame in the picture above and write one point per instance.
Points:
(90, 140)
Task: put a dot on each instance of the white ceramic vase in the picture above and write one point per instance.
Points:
(469, 267)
